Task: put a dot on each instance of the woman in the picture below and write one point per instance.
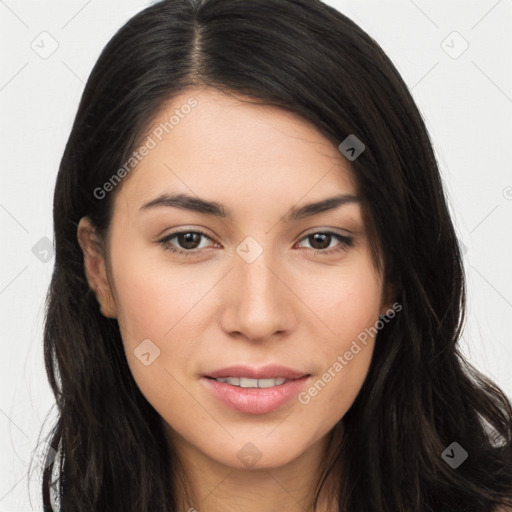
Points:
(258, 290)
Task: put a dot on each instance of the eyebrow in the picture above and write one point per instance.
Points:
(215, 209)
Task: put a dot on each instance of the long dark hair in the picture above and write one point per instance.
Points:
(420, 394)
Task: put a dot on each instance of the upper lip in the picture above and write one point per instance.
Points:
(271, 371)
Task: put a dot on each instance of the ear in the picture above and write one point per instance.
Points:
(95, 267)
(388, 297)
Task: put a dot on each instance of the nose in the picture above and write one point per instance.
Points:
(257, 299)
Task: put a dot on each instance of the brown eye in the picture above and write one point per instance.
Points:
(321, 242)
(186, 241)
(189, 240)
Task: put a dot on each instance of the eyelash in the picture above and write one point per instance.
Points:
(345, 242)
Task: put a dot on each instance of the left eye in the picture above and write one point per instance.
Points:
(188, 240)
(324, 239)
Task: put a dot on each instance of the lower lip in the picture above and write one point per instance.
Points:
(255, 400)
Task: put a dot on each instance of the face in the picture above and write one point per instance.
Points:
(195, 292)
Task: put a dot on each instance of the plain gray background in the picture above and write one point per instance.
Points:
(454, 55)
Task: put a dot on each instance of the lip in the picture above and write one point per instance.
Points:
(255, 400)
(270, 371)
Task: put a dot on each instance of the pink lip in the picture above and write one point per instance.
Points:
(255, 400)
(271, 371)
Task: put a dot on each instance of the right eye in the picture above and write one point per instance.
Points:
(187, 239)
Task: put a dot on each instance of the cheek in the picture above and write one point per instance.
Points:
(347, 359)
(331, 394)
(349, 305)
(153, 299)
(346, 301)
(152, 315)
(156, 316)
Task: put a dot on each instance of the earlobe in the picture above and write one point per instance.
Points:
(389, 298)
(385, 309)
(95, 268)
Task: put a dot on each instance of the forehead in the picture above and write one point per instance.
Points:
(236, 152)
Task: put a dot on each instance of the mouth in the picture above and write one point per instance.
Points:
(251, 395)
(247, 374)
(246, 382)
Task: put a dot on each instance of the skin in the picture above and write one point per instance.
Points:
(290, 306)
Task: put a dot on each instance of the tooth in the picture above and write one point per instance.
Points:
(248, 383)
(266, 383)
